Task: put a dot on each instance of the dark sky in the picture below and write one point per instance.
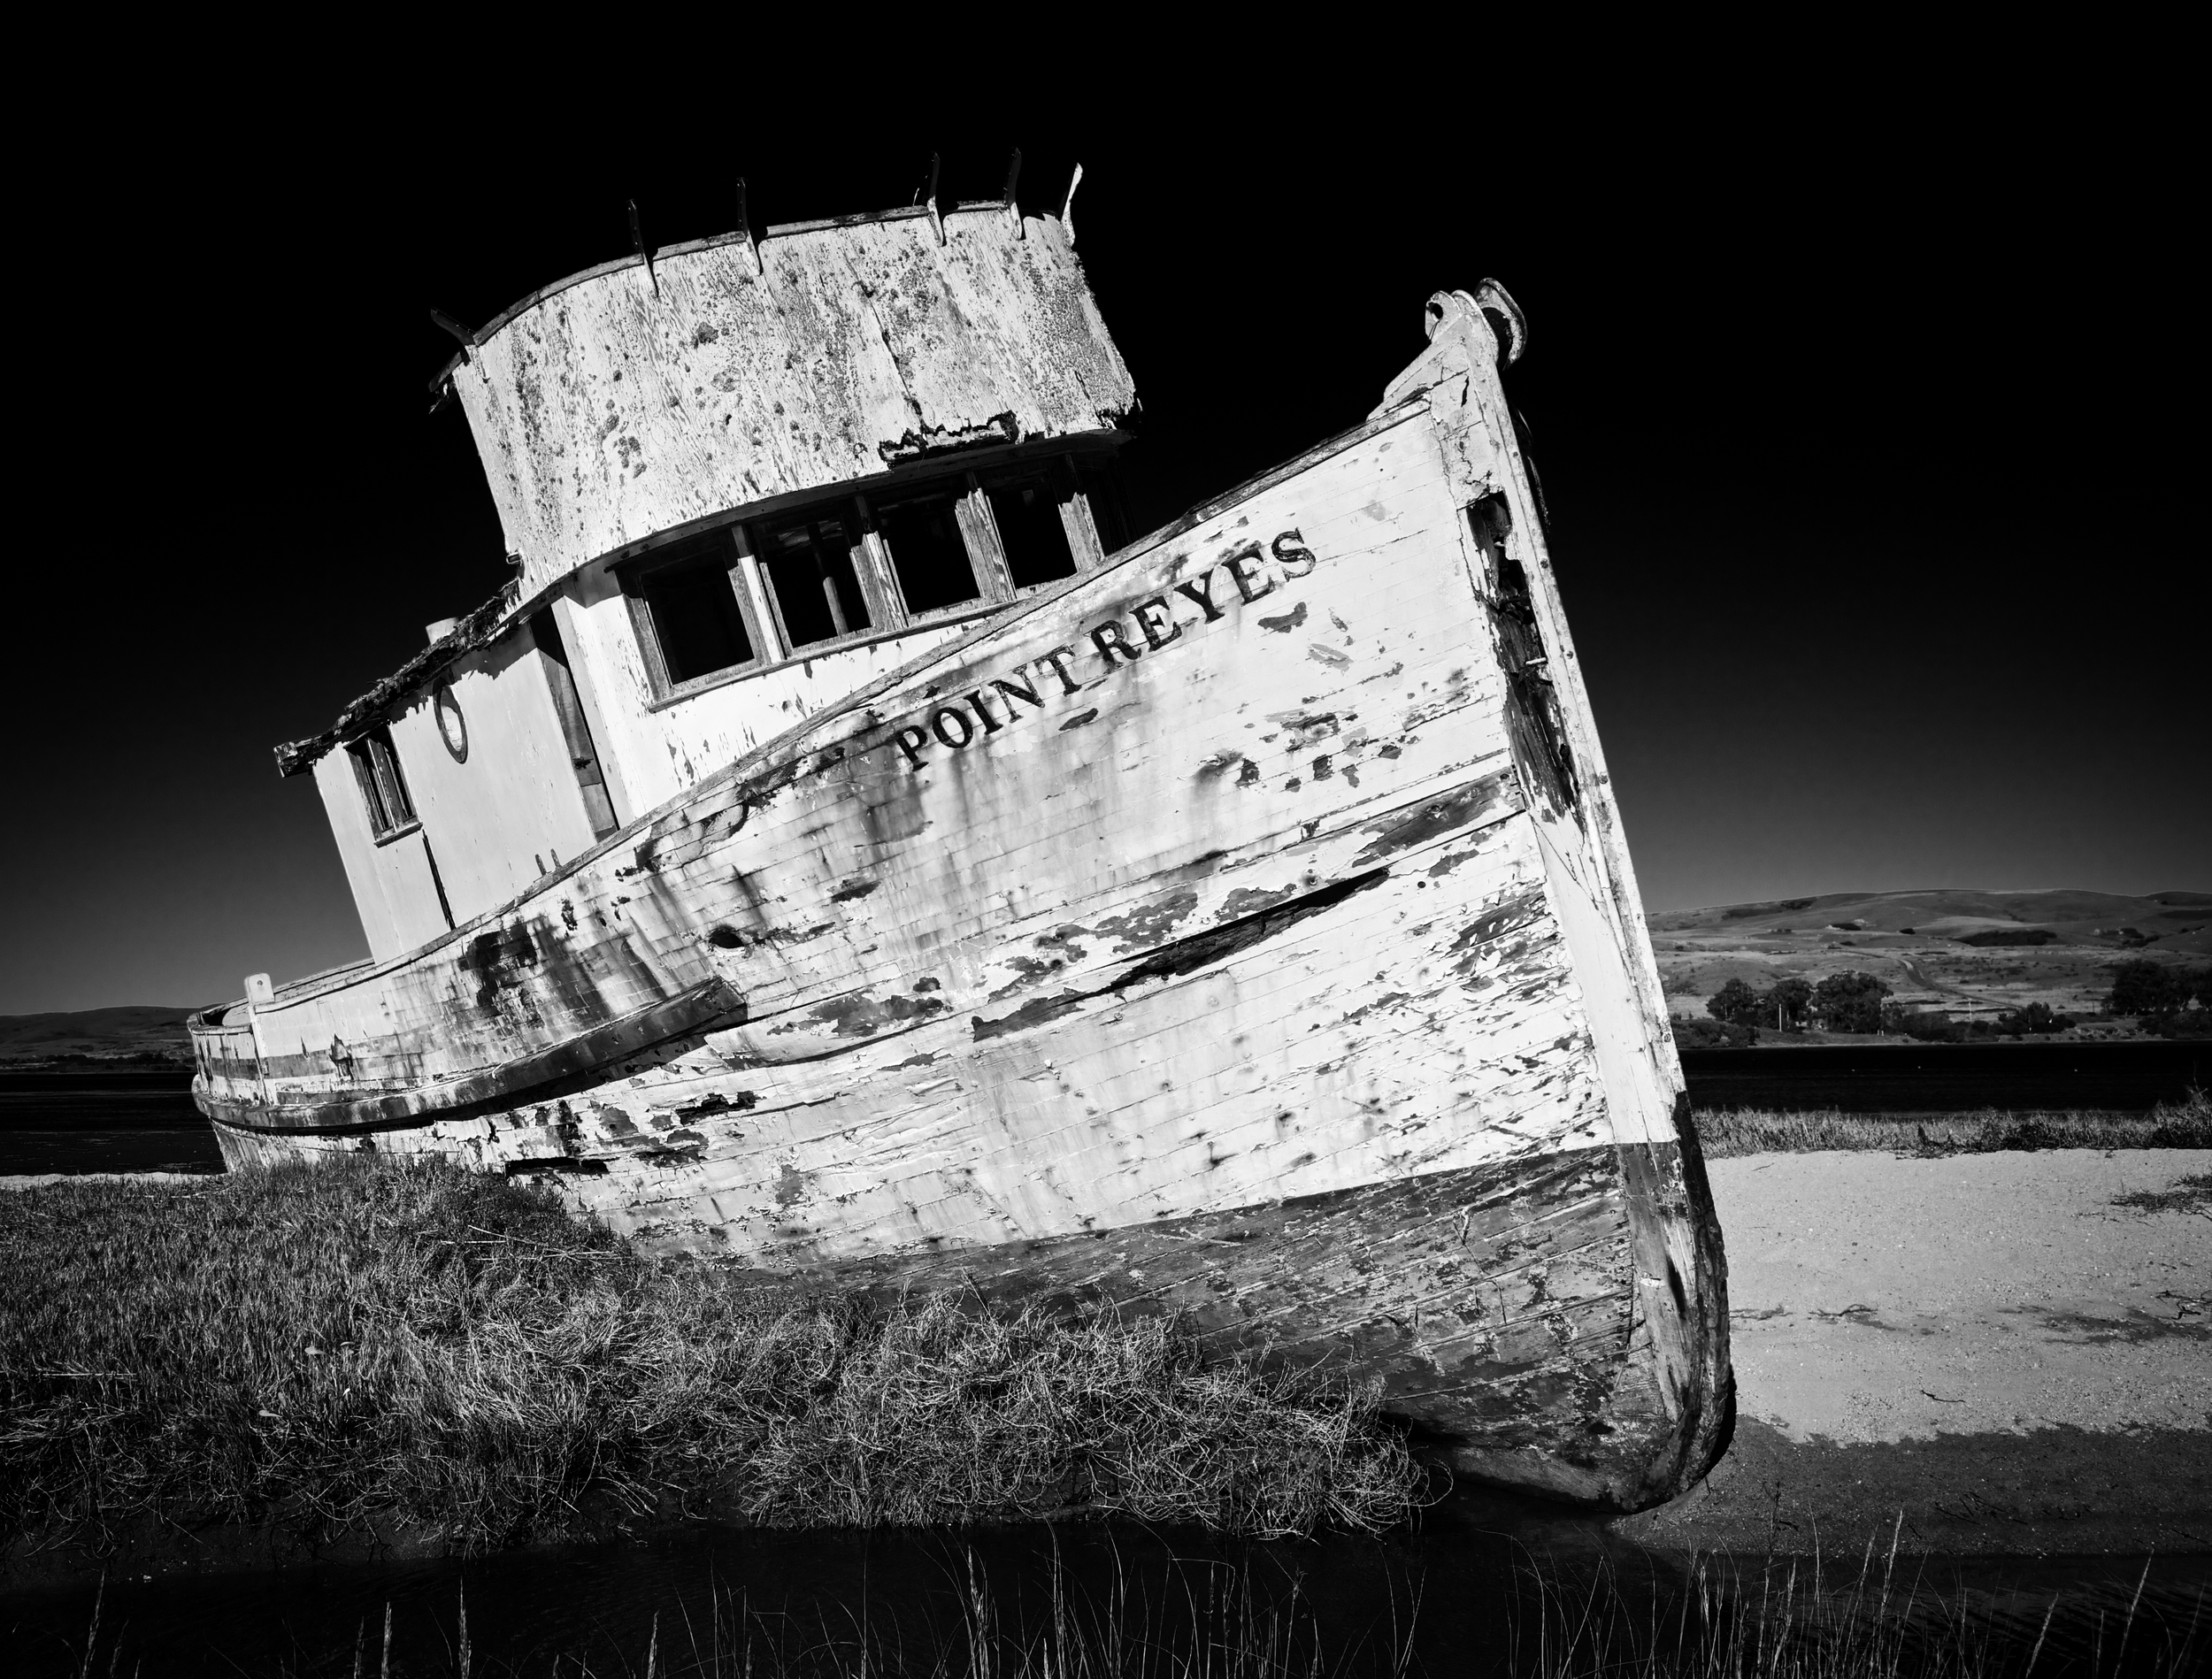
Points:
(1863, 413)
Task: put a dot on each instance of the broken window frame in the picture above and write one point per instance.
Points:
(1069, 479)
(1104, 521)
(979, 550)
(884, 616)
(1075, 477)
(722, 550)
(1057, 477)
(384, 795)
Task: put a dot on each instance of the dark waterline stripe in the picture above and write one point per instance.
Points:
(1446, 1595)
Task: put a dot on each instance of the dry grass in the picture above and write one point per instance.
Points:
(1752, 1130)
(411, 1348)
(2189, 1194)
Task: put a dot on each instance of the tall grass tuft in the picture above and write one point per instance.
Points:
(1751, 1131)
(415, 1351)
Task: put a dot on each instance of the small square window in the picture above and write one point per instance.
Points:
(1027, 513)
(383, 790)
(696, 619)
(809, 570)
(928, 552)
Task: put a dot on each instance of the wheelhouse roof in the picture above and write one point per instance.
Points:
(667, 389)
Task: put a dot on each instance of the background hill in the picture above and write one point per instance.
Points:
(1973, 955)
(132, 1031)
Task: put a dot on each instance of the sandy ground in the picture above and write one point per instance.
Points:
(1994, 1345)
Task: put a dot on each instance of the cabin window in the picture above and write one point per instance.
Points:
(691, 608)
(809, 564)
(696, 619)
(383, 790)
(928, 554)
(752, 594)
(1101, 502)
(1026, 510)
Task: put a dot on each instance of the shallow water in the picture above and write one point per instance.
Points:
(1465, 1594)
(1873, 1078)
(109, 1122)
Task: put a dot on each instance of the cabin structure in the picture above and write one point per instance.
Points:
(739, 478)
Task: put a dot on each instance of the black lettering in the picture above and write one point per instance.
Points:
(1014, 691)
(1234, 566)
(944, 716)
(1153, 638)
(1058, 660)
(1291, 546)
(911, 740)
(1201, 591)
(1109, 640)
(990, 722)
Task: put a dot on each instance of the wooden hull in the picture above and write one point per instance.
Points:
(1241, 929)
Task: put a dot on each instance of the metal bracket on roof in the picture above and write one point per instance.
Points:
(745, 227)
(441, 386)
(447, 323)
(1013, 174)
(637, 243)
(1067, 208)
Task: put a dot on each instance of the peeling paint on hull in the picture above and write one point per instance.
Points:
(1242, 928)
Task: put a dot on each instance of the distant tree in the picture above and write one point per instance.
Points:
(1789, 1006)
(1928, 1025)
(1713, 1034)
(2174, 1003)
(1736, 1003)
(2034, 1019)
(2141, 987)
(1850, 1002)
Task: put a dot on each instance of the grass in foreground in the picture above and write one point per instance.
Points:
(408, 1347)
(1752, 1130)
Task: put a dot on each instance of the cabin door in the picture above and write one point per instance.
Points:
(590, 779)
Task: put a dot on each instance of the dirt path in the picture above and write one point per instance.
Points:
(2014, 1350)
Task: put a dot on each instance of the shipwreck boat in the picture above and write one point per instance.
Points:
(842, 850)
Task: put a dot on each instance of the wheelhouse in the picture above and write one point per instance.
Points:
(740, 478)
